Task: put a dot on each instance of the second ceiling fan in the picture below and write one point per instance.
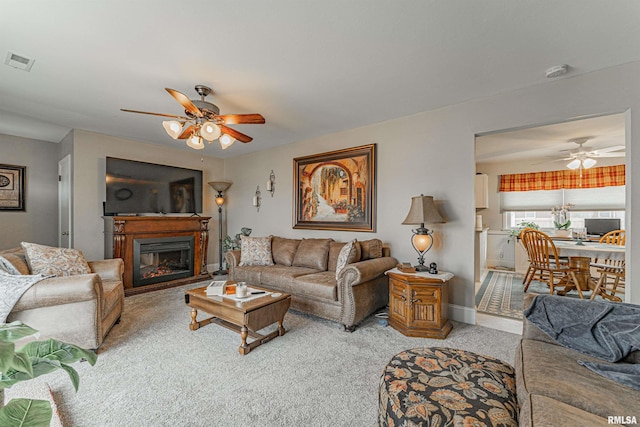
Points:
(203, 120)
(585, 157)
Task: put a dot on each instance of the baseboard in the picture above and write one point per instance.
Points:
(462, 314)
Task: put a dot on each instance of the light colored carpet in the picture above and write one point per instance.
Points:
(153, 371)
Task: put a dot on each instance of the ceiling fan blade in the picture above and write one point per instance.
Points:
(185, 101)
(237, 119)
(237, 135)
(609, 149)
(622, 154)
(154, 114)
(187, 132)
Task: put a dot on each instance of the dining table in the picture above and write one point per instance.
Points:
(581, 254)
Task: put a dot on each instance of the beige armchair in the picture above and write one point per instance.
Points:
(78, 309)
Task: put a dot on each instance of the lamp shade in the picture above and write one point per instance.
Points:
(220, 186)
(195, 142)
(226, 141)
(589, 163)
(173, 128)
(209, 131)
(574, 164)
(422, 211)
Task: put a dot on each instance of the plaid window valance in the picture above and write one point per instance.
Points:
(604, 176)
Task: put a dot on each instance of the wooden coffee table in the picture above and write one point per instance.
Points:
(246, 317)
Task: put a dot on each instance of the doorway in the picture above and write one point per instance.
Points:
(536, 149)
(64, 203)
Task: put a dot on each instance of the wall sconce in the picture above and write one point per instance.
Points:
(257, 198)
(422, 210)
(271, 184)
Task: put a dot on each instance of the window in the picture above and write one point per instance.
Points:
(535, 206)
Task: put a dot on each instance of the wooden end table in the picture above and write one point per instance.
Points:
(245, 318)
(418, 304)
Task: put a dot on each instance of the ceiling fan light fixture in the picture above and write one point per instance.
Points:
(210, 131)
(226, 141)
(195, 142)
(173, 128)
(589, 162)
(574, 164)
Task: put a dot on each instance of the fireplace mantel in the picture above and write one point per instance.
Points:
(122, 231)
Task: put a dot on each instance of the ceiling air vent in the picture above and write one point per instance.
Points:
(18, 61)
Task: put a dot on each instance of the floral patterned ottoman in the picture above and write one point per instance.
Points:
(437, 387)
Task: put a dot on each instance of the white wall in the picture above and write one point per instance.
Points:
(90, 151)
(39, 222)
(433, 153)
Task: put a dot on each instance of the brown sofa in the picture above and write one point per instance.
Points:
(305, 268)
(79, 309)
(554, 390)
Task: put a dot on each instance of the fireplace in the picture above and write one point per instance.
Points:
(162, 259)
(180, 259)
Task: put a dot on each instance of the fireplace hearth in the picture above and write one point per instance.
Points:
(162, 259)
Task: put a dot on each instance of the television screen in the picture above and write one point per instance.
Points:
(137, 187)
(601, 226)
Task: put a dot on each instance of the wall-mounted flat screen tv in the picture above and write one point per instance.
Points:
(141, 188)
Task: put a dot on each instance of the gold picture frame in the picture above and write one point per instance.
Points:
(336, 190)
(12, 186)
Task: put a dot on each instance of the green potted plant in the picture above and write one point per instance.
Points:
(561, 220)
(230, 244)
(32, 360)
(515, 232)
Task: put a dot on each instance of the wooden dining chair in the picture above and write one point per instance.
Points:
(530, 270)
(543, 258)
(610, 273)
(615, 237)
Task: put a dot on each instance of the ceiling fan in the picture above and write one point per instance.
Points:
(585, 157)
(203, 121)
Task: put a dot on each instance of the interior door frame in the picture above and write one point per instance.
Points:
(65, 222)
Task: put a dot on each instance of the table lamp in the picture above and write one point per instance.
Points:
(422, 211)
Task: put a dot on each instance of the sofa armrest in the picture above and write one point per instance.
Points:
(362, 288)
(364, 271)
(108, 269)
(61, 290)
(233, 259)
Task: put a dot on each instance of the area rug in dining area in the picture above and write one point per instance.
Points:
(502, 294)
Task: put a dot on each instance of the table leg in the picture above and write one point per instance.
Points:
(244, 348)
(194, 325)
(281, 329)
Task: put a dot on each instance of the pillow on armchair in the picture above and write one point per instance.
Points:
(49, 260)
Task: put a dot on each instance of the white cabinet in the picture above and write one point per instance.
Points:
(482, 191)
(481, 255)
(522, 258)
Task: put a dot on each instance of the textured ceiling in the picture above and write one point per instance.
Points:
(311, 68)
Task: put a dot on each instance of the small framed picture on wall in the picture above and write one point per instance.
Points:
(12, 186)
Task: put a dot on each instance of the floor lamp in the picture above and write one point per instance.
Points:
(220, 187)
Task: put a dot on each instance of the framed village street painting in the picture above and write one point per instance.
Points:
(335, 190)
(12, 188)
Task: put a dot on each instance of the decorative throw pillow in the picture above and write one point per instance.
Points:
(49, 260)
(255, 251)
(371, 249)
(13, 264)
(346, 256)
(284, 250)
(312, 253)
